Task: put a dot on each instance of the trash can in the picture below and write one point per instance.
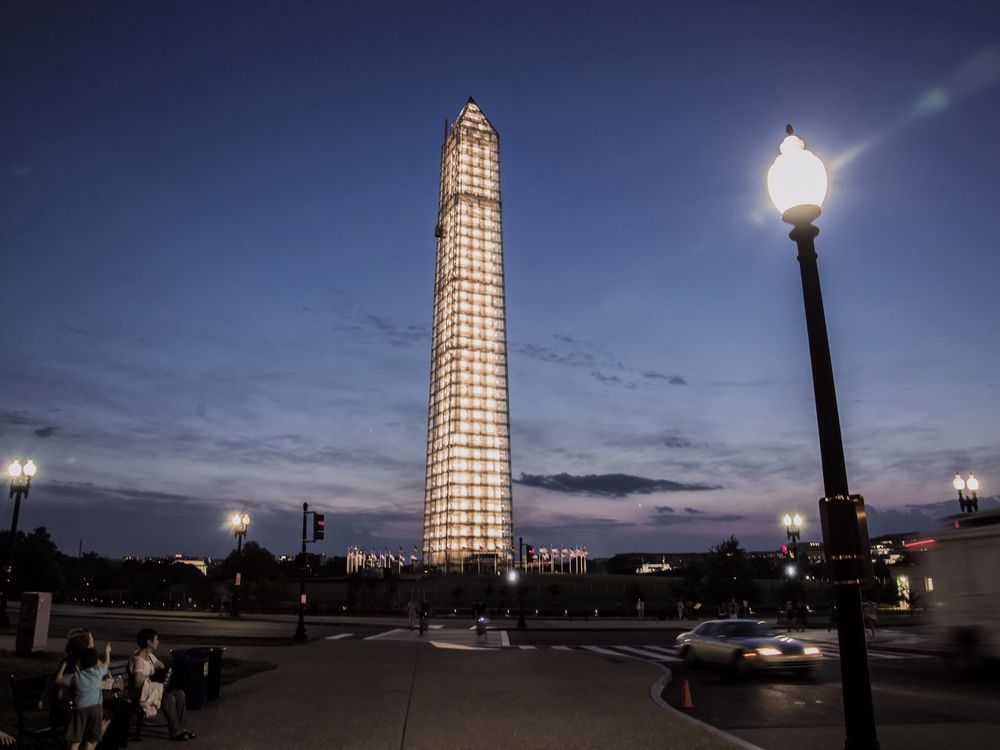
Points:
(190, 674)
(214, 674)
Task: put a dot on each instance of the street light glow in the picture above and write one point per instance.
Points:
(972, 483)
(14, 469)
(958, 483)
(787, 520)
(30, 468)
(797, 177)
(797, 520)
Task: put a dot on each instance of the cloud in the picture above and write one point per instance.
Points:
(18, 419)
(46, 432)
(607, 379)
(607, 485)
(664, 509)
(672, 379)
(693, 510)
(672, 441)
(667, 519)
(554, 356)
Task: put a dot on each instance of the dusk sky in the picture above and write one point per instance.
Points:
(217, 221)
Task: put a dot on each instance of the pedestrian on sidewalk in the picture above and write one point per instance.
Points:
(680, 609)
(640, 608)
(411, 613)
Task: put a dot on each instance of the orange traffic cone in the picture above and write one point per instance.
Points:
(686, 702)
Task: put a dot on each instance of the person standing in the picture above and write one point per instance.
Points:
(86, 723)
(640, 608)
(680, 609)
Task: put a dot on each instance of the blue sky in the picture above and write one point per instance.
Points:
(217, 232)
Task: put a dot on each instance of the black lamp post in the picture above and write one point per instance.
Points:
(20, 486)
(514, 578)
(240, 523)
(797, 185)
(968, 503)
(793, 529)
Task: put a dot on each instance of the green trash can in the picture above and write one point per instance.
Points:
(190, 674)
(213, 677)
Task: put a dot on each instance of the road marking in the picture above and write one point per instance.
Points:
(386, 634)
(562, 648)
(605, 651)
(666, 650)
(527, 648)
(338, 636)
(647, 654)
(504, 639)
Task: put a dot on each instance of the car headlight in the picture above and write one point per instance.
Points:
(810, 650)
(769, 651)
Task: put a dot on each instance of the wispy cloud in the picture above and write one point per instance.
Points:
(607, 485)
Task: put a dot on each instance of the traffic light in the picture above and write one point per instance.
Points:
(531, 552)
(319, 526)
(785, 552)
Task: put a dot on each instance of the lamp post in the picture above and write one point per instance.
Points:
(239, 522)
(797, 185)
(20, 486)
(967, 504)
(793, 529)
(514, 579)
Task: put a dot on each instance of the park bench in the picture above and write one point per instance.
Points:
(36, 722)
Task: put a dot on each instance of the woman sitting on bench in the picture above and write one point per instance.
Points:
(153, 694)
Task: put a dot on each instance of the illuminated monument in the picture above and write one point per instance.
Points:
(467, 491)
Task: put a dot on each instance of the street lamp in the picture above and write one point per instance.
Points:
(793, 528)
(20, 486)
(514, 579)
(797, 185)
(239, 522)
(966, 503)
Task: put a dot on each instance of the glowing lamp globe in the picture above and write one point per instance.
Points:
(958, 483)
(797, 520)
(14, 469)
(30, 469)
(797, 181)
(787, 520)
(972, 483)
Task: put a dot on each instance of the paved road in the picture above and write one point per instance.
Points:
(914, 693)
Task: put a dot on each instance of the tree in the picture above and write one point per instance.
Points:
(729, 574)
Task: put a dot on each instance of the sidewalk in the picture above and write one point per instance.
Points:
(358, 694)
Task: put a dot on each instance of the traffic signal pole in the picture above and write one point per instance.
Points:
(300, 631)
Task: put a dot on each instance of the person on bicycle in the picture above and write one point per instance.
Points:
(425, 613)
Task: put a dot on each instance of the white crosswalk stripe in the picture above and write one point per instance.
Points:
(669, 654)
(647, 653)
(338, 636)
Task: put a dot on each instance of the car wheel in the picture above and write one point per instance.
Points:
(690, 659)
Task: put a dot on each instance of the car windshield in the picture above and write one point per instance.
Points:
(746, 630)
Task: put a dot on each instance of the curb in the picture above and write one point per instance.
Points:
(656, 693)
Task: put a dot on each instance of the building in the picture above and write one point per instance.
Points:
(467, 490)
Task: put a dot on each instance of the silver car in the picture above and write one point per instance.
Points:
(746, 645)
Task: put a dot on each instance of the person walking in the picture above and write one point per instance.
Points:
(680, 609)
(640, 608)
(411, 613)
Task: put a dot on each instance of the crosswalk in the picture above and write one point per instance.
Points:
(670, 654)
(440, 637)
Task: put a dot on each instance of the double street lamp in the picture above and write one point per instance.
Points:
(240, 523)
(968, 503)
(20, 486)
(793, 529)
(797, 185)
